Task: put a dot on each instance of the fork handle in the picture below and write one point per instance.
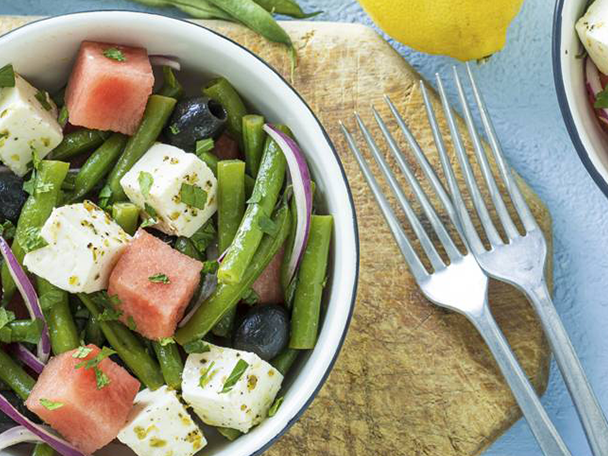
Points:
(585, 401)
(547, 436)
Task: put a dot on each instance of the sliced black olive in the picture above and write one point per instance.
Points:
(12, 196)
(194, 119)
(264, 331)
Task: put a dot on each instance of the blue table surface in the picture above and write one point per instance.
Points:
(518, 84)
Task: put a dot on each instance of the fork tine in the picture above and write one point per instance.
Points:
(427, 207)
(480, 205)
(505, 171)
(416, 267)
(472, 238)
(425, 241)
(480, 153)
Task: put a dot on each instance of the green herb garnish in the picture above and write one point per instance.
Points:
(204, 145)
(210, 267)
(30, 239)
(42, 97)
(174, 129)
(601, 99)
(62, 119)
(267, 226)
(275, 406)
(51, 298)
(109, 314)
(204, 236)
(7, 230)
(115, 54)
(104, 197)
(145, 181)
(207, 375)
(152, 216)
(101, 378)
(7, 76)
(6, 316)
(159, 278)
(50, 405)
(236, 374)
(82, 352)
(193, 196)
(29, 186)
(197, 346)
(166, 341)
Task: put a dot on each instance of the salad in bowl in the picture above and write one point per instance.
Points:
(165, 257)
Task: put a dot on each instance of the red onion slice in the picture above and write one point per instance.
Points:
(28, 358)
(166, 60)
(30, 298)
(57, 443)
(302, 192)
(207, 288)
(16, 435)
(594, 86)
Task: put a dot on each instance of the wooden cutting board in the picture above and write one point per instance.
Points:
(412, 379)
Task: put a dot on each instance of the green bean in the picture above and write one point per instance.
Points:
(155, 117)
(199, 9)
(14, 376)
(126, 215)
(210, 160)
(311, 280)
(222, 91)
(128, 347)
(226, 296)
(230, 210)
(69, 183)
(22, 331)
(286, 8)
(265, 194)
(229, 433)
(187, 247)
(93, 333)
(77, 142)
(42, 449)
(171, 363)
(98, 165)
(253, 142)
(34, 213)
(171, 86)
(59, 97)
(284, 360)
(59, 318)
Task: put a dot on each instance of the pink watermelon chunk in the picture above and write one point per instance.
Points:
(268, 285)
(154, 307)
(89, 418)
(108, 94)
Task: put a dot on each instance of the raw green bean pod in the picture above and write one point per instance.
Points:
(285, 360)
(15, 376)
(59, 318)
(21, 331)
(253, 142)
(42, 449)
(93, 333)
(286, 8)
(78, 142)
(222, 91)
(127, 216)
(199, 9)
(171, 86)
(171, 363)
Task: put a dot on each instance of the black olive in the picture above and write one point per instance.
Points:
(7, 423)
(166, 238)
(194, 119)
(12, 196)
(264, 331)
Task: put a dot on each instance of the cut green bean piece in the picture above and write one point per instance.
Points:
(42, 449)
(93, 333)
(222, 91)
(309, 288)
(210, 160)
(187, 247)
(59, 318)
(199, 9)
(254, 138)
(78, 142)
(21, 331)
(15, 376)
(171, 363)
(158, 110)
(126, 215)
(286, 8)
(226, 296)
(285, 360)
(171, 86)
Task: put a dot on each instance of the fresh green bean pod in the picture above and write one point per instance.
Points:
(199, 9)
(210, 160)
(226, 296)
(97, 166)
(229, 433)
(265, 194)
(230, 210)
(286, 8)
(42, 449)
(14, 376)
(78, 142)
(284, 360)
(158, 110)
(171, 86)
(127, 216)
(22, 331)
(171, 363)
(185, 246)
(254, 138)
(35, 211)
(222, 91)
(59, 318)
(311, 280)
(128, 347)
(93, 333)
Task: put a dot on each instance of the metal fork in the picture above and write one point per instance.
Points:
(521, 260)
(460, 285)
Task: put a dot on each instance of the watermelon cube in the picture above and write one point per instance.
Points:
(68, 398)
(109, 87)
(154, 283)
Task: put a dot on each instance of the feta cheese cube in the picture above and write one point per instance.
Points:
(170, 169)
(84, 244)
(592, 30)
(159, 425)
(243, 406)
(26, 126)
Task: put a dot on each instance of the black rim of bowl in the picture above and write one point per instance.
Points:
(562, 99)
(297, 416)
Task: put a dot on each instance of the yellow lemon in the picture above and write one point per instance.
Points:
(464, 29)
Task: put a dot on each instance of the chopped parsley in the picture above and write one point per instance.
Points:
(51, 298)
(204, 236)
(82, 352)
(6, 316)
(166, 341)
(193, 196)
(197, 346)
(109, 314)
(152, 216)
(236, 374)
(50, 405)
(207, 375)
(101, 378)
(204, 145)
(250, 297)
(601, 99)
(7, 230)
(104, 197)
(159, 278)
(115, 54)
(62, 119)
(210, 267)
(275, 406)
(29, 186)
(145, 181)
(30, 239)
(42, 97)
(7, 76)
(174, 129)
(267, 226)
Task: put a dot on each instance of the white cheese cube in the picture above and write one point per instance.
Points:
(159, 425)
(84, 244)
(592, 30)
(26, 126)
(171, 168)
(243, 406)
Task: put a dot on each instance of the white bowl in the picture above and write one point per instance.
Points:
(590, 141)
(43, 52)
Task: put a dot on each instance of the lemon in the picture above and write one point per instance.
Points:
(463, 29)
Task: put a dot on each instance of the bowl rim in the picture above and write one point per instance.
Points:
(355, 225)
(562, 99)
